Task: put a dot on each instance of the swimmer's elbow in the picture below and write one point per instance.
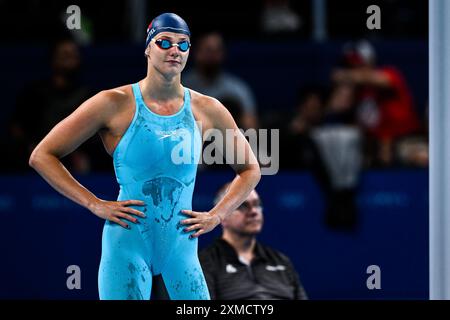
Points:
(36, 158)
(251, 172)
(255, 172)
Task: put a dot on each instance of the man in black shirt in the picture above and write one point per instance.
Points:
(236, 266)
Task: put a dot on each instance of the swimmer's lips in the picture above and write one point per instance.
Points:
(173, 62)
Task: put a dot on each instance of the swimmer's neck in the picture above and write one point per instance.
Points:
(159, 87)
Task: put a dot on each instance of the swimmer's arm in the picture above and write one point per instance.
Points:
(93, 115)
(63, 139)
(248, 174)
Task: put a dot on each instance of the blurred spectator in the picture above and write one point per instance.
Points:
(43, 104)
(322, 138)
(278, 17)
(413, 150)
(208, 77)
(237, 111)
(237, 266)
(309, 111)
(339, 142)
(340, 107)
(384, 104)
(298, 150)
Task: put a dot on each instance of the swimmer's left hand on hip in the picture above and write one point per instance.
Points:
(202, 221)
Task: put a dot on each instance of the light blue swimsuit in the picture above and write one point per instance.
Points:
(156, 162)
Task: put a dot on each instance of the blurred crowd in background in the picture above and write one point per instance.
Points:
(364, 116)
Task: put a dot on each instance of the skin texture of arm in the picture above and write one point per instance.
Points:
(247, 177)
(93, 115)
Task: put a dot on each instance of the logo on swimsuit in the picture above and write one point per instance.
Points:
(171, 133)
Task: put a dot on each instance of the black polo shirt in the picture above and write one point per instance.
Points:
(270, 274)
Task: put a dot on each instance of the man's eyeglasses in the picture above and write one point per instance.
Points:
(247, 206)
(166, 44)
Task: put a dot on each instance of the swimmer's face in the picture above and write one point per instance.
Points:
(248, 218)
(168, 61)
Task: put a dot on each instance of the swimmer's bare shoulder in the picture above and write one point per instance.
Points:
(97, 113)
(120, 104)
(108, 113)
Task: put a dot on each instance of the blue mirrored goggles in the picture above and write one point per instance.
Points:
(166, 44)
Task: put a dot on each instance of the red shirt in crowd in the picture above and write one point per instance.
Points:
(395, 114)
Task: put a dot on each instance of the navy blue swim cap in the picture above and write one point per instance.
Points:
(166, 22)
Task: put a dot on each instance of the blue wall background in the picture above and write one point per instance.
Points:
(43, 233)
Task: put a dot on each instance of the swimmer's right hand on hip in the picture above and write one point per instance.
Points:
(114, 210)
